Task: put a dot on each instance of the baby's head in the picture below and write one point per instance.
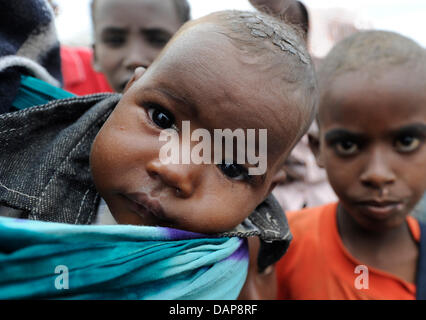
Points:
(231, 70)
(372, 118)
(131, 33)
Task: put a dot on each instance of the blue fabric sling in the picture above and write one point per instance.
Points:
(45, 260)
(421, 269)
(33, 92)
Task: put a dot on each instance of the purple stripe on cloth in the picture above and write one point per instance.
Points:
(242, 252)
(176, 234)
(17, 220)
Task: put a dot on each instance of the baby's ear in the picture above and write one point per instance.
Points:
(137, 74)
(314, 145)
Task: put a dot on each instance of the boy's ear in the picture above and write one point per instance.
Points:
(137, 74)
(279, 178)
(314, 145)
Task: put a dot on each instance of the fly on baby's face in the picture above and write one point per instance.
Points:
(198, 79)
(373, 135)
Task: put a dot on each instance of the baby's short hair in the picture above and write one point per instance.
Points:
(371, 52)
(279, 49)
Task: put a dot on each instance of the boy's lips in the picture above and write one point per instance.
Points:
(145, 206)
(380, 206)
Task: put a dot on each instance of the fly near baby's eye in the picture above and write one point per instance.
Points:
(346, 147)
(162, 118)
(234, 171)
(407, 143)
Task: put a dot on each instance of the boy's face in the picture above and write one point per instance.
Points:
(372, 144)
(200, 79)
(130, 34)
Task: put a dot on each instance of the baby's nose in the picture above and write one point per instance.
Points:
(181, 177)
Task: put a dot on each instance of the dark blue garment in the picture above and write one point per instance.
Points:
(28, 45)
(421, 268)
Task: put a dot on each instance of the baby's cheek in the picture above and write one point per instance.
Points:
(242, 204)
(108, 157)
(224, 213)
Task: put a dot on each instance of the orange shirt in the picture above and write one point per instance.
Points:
(318, 266)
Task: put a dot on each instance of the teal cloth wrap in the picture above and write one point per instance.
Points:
(45, 260)
(33, 92)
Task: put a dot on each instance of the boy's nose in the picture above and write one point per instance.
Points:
(377, 173)
(180, 177)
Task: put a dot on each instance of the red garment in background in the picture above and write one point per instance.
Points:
(77, 71)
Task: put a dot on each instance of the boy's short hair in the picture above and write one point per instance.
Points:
(183, 10)
(371, 52)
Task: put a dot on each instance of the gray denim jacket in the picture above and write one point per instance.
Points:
(45, 172)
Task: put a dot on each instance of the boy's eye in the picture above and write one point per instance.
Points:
(346, 147)
(114, 40)
(234, 171)
(158, 38)
(407, 143)
(161, 118)
(159, 41)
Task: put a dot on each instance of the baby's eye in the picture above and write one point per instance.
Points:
(162, 118)
(407, 143)
(234, 171)
(346, 147)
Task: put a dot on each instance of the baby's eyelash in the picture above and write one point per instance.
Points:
(165, 122)
(243, 175)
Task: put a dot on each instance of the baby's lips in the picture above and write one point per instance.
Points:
(152, 206)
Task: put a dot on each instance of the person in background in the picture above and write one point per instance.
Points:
(131, 33)
(372, 143)
(79, 77)
(127, 34)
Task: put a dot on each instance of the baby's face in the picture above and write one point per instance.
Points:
(130, 34)
(373, 134)
(199, 78)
